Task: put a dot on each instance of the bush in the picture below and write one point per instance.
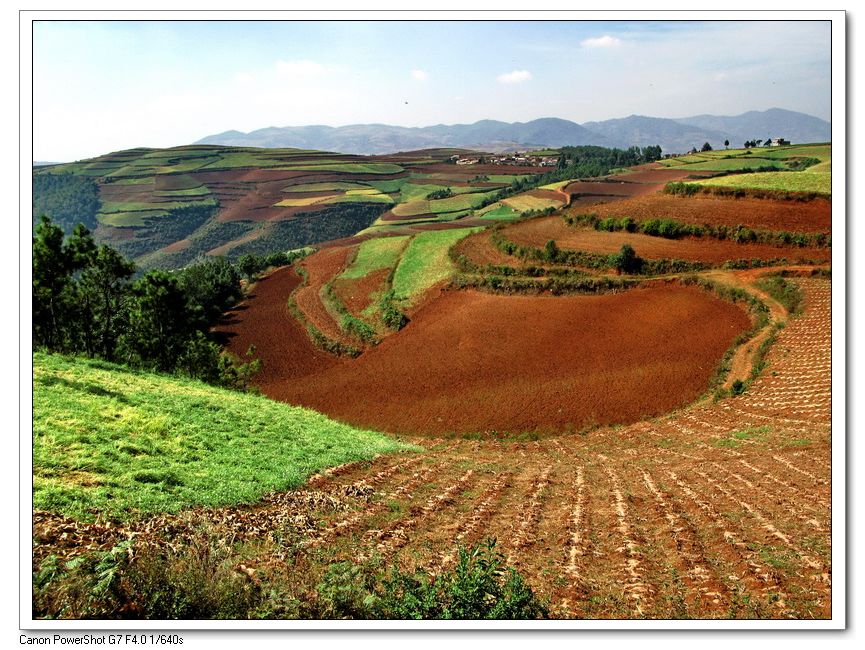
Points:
(481, 586)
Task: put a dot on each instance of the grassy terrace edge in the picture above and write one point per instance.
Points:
(120, 443)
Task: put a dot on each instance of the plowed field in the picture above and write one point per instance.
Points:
(719, 511)
(536, 232)
(357, 293)
(322, 267)
(556, 364)
(763, 214)
(263, 320)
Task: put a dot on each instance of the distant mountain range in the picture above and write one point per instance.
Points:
(674, 135)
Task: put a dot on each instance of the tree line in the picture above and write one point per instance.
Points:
(87, 300)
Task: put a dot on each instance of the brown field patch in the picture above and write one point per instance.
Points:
(765, 214)
(322, 267)
(536, 232)
(719, 511)
(357, 293)
(179, 245)
(556, 364)
(390, 216)
(474, 170)
(263, 320)
(609, 188)
(661, 176)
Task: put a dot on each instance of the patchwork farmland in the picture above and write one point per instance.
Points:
(624, 382)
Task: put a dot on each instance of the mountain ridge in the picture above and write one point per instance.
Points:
(673, 134)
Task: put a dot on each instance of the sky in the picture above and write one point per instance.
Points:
(107, 86)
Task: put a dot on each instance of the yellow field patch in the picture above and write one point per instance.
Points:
(523, 202)
(309, 200)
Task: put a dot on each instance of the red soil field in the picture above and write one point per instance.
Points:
(471, 171)
(764, 214)
(465, 222)
(357, 293)
(179, 245)
(263, 320)
(553, 195)
(321, 266)
(390, 216)
(596, 523)
(660, 176)
(109, 232)
(462, 365)
(536, 232)
(609, 188)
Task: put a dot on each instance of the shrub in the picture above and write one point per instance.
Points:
(481, 586)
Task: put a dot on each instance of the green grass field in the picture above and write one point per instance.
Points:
(119, 442)
(783, 181)
(458, 203)
(201, 190)
(340, 186)
(499, 211)
(130, 219)
(348, 167)
(735, 164)
(375, 254)
(425, 262)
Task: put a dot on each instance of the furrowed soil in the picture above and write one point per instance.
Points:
(357, 294)
(536, 232)
(264, 321)
(761, 214)
(321, 267)
(720, 510)
(571, 362)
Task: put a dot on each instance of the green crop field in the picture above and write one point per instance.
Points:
(735, 164)
(458, 203)
(324, 187)
(120, 442)
(201, 190)
(347, 167)
(349, 197)
(132, 206)
(375, 254)
(425, 262)
(499, 211)
(782, 181)
(130, 219)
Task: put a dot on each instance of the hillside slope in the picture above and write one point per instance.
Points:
(111, 440)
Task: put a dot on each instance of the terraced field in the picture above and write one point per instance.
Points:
(647, 445)
(536, 232)
(166, 207)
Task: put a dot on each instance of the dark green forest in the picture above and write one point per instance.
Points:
(88, 300)
(67, 199)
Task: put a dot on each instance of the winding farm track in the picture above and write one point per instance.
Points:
(717, 510)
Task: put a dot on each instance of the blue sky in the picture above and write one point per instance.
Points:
(105, 86)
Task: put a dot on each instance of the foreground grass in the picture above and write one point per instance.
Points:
(120, 442)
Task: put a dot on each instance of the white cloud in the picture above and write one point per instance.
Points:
(515, 77)
(301, 69)
(419, 75)
(601, 41)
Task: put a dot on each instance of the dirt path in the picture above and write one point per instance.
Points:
(744, 358)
